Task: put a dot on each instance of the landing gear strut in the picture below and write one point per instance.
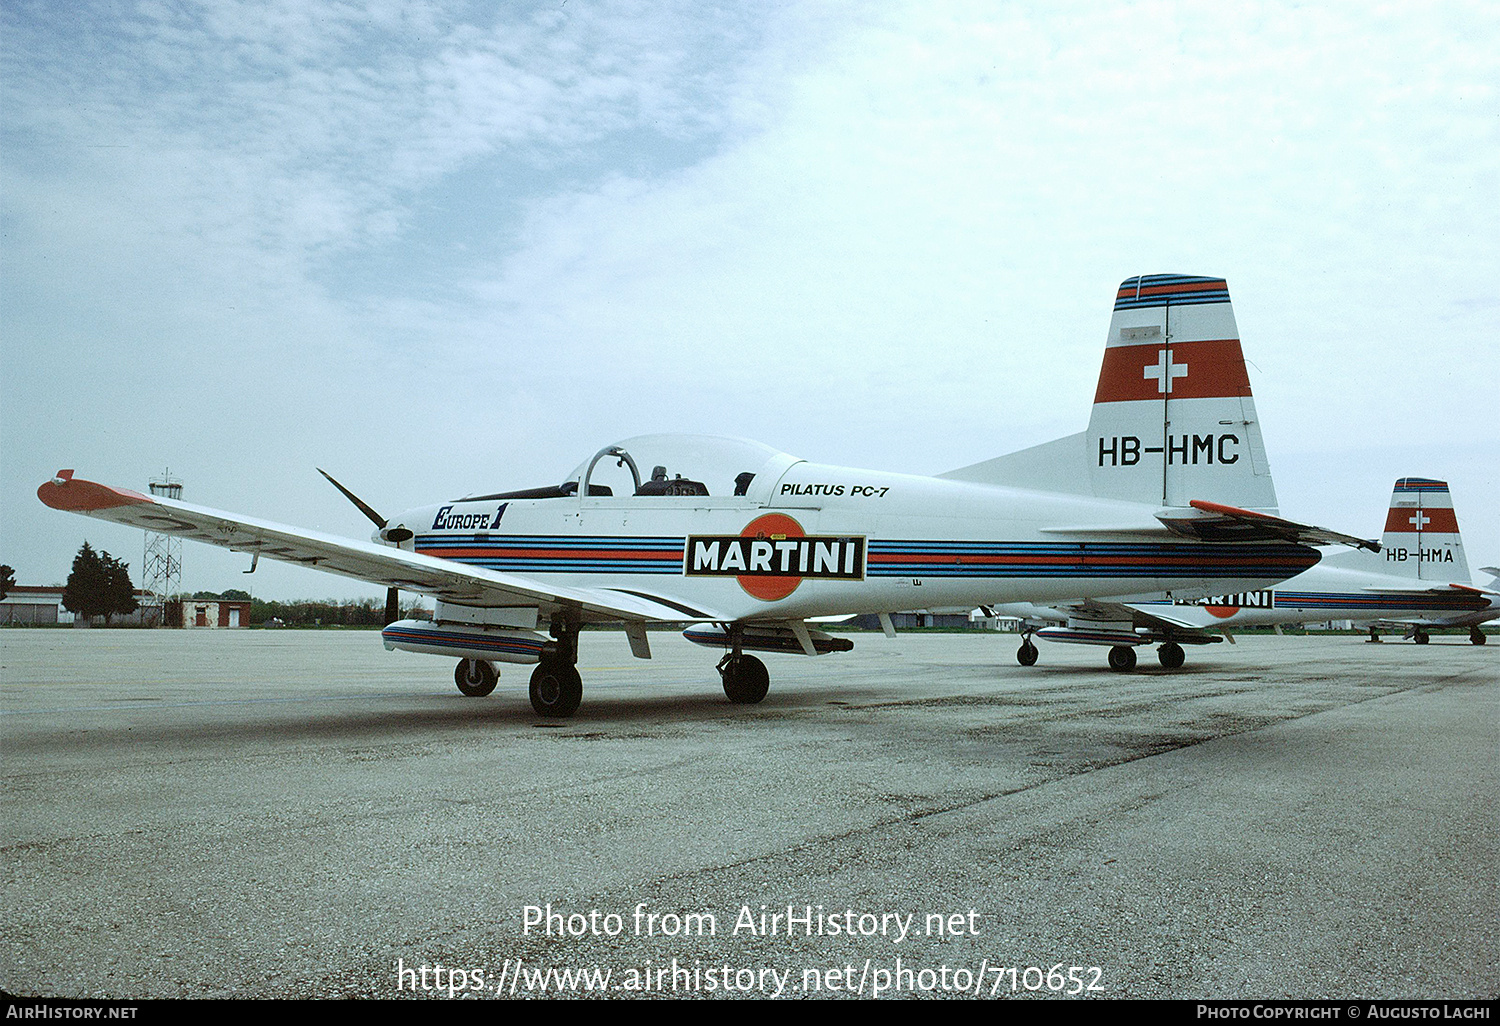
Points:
(1476, 636)
(556, 687)
(1122, 657)
(1171, 655)
(475, 677)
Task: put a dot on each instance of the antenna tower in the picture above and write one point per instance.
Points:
(161, 567)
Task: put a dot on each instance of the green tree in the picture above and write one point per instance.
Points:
(98, 586)
(7, 580)
(121, 591)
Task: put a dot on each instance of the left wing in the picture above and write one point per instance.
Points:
(378, 564)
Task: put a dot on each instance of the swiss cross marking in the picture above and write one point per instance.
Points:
(1165, 371)
(1419, 521)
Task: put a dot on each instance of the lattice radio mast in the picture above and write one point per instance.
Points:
(161, 567)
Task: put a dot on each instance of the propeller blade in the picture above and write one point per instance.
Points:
(392, 605)
(375, 518)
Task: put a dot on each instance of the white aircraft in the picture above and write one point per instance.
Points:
(1419, 579)
(1168, 492)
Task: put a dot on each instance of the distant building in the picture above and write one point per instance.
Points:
(27, 603)
(208, 613)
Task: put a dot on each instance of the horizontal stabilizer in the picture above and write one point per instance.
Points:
(1436, 589)
(1213, 521)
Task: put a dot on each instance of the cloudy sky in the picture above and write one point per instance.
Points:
(435, 249)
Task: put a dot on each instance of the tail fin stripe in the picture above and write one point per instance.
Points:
(1170, 290)
(1411, 520)
(1209, 369)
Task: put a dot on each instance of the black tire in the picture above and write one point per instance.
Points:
(1171, 655)
(1026, 654)
(1420, 637)
(475, 677)
(1476, 636)
(746, 680)
(556, 689)
(1122, 658)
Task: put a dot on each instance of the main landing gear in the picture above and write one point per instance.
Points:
(556, 687)
(1121, 657)
(746, 679)
(1420, 636)
(1476, 636)
(1026, 655)
(1171, 655)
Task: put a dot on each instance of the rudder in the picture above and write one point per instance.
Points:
(1421, 536)
(1173, 418)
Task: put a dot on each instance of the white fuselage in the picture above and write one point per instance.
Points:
(1327, 592)
(813, 540)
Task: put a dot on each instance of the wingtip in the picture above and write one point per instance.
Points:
(72, 495)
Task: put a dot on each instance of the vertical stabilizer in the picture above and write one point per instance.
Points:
(1421, 537)
(1173, 419)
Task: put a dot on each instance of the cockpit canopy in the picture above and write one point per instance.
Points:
(671, 466)
(683, 465)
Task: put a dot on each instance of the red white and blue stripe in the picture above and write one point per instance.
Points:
(1421, 484)
(1170, 290)
(544, 554)
(558, 554)
(1456, 601)
(1091, 559)
(499, 645)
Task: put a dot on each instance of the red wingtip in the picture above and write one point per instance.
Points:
(65, 493)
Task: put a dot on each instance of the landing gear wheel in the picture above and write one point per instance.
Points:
(1122, 657)
(1171, 655)
(1420, 637)
(1476, 636)
(475, 677)
(746, 679)
(556, 689)
(1026, 654)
